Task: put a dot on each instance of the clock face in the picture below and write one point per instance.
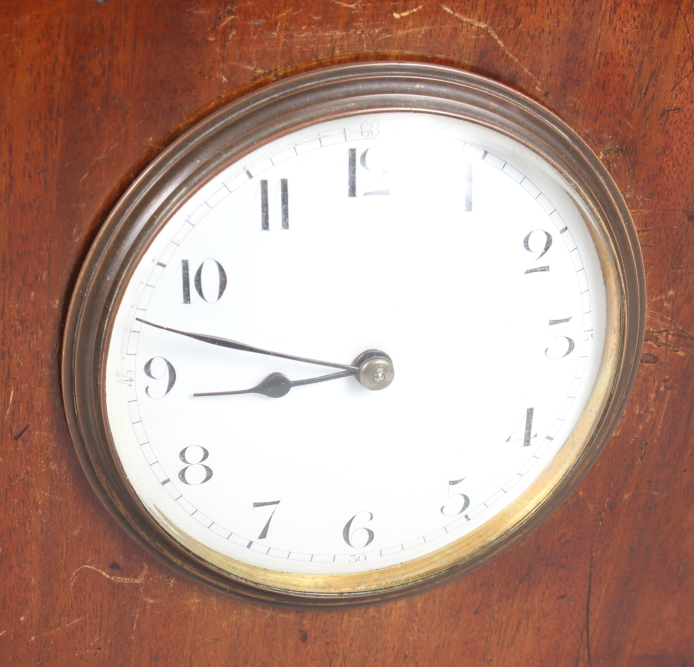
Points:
(355, 351)
(451, 250)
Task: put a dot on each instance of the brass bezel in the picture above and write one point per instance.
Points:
(258, 118)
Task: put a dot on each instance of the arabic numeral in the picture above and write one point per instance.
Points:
(126, 379)
(195, 472)
(210, 281)
(369, 163)
(537, 241)
(267, 503)
(357, 558)
(370, 129)
(158, 368)
(361, 535)
(559, 350)
(462, 501)
(265, 204)
(524, 430)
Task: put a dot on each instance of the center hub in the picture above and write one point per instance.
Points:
(376, 370)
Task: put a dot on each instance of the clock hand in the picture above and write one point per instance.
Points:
(277, 385)
(224, 342)
(373, 369)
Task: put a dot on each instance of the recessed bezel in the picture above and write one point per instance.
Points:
(257, 119)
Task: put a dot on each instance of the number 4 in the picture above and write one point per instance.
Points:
(527, 430)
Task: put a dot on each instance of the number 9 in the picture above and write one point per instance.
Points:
(157, 370)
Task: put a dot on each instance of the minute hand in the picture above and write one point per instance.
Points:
(234, 345)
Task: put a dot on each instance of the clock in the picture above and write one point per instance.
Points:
(353, 334)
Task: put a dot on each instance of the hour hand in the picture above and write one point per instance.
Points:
(277, 385)
(373, 369)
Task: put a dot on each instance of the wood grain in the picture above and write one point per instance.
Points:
(92, 91)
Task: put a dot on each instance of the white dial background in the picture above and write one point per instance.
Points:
(422, 236)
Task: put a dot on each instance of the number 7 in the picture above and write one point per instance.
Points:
(263, 532)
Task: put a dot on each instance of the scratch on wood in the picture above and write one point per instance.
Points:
(691, 46)
(608, 153)
(402, 15)
(590, 579)
(663, 411)
(402, 32)
(492, 33)
(344, 4)
(668, 321)
(21, 433)
(9, 405)
(643, 451)
(62, 627)
(112, 577)
(248, 67)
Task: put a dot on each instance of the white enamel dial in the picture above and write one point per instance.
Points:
(449, 247)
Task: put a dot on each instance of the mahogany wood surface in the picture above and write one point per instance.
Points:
(93, 91)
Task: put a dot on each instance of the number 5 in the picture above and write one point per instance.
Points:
(445, 509)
